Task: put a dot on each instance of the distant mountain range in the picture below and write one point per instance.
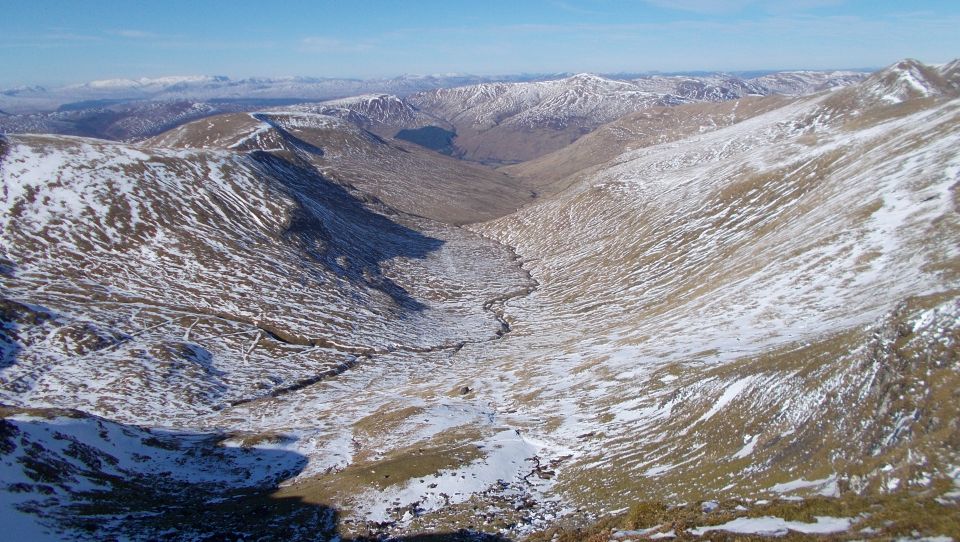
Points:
(286, 324)
(496, 120)
(32, 99)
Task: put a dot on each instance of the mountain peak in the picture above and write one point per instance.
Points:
(591, 79)
(951, 73)
(587, 76)
(906, 80)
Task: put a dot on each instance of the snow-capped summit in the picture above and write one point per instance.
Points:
(495, 121)
(910, 79)
(798, 83)
(951, 73)
(590, 98)
(590, 79)
(370, 110)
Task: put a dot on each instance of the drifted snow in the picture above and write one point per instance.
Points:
(828, 484)
(771, 526)
(507, 459)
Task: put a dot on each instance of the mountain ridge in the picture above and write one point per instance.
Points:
(721, 304)
(502, 123)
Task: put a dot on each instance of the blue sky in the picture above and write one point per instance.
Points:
(51, 42)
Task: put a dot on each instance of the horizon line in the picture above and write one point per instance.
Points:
(562, 74)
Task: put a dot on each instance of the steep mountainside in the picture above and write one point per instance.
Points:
(504, 122)
(771, 305)
(728, 305)
(514, 122)
(259, 248)
(799, 83)
(91, 468)
(125, 121)
(407, 177)
(160, 286)
(722, 87)
(906, 80)
(382, 114)
(653, 126)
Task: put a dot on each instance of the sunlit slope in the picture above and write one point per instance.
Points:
(407, 177)
(653, 126)
(757, 304)
(742, 300)
(506, 123)
(152, 284)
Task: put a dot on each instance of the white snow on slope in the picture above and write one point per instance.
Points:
(729, 394)
(671, 262)
(73, 458)
(771, 526)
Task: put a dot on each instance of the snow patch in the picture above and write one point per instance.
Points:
(773, 526)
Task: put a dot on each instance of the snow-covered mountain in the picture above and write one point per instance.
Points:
(126, 121)
(722, 304)
(205, 88)
(515, 122)
(768, 304)
(910, 79)
(384, 114)
(651, 126)
(799, 83)
(494, 122)
(589, 100)
(442, 189)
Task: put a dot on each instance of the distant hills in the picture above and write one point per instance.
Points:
(496, 120)
(289, 323)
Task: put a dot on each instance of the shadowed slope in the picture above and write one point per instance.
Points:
(766, 307)
(73, 476)
(405, 176)
(182, 274)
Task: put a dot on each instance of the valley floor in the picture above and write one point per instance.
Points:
(749, 331)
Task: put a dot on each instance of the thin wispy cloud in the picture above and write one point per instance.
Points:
(92, 40)
(716, 7)
(701, 6)
(135, 34)
(214, 45)
(175, 41)
(48, 40)
(69, 37)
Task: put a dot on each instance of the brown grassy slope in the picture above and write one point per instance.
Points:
(513, 144)
(553, 172)
(659, 258)
(873, 518)
(406, 177)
